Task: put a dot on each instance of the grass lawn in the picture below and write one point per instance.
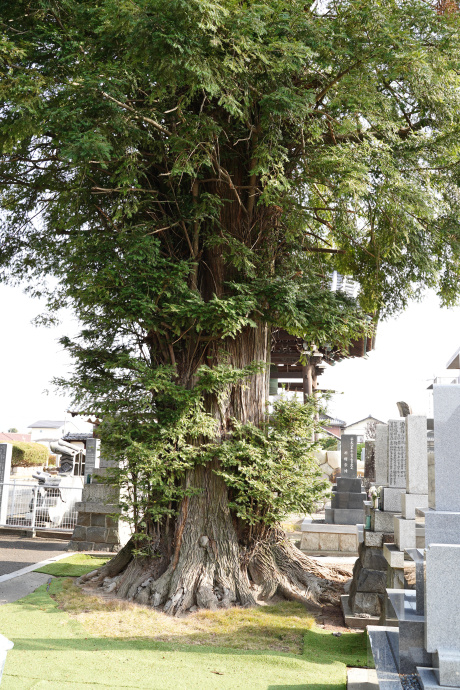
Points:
(123, 646)
(74, 566)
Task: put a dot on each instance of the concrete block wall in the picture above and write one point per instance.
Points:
(95, 532)
(329, 540)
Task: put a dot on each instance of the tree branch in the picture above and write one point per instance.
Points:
(155, 124)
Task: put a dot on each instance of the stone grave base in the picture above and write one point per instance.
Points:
(353, 620)
(364, 604)
(382, 521)
(441, 527)
(362, 679)
(409, 645)
(344, 516)
(429, 681)
(405, 537)
(380, 640)
(409, 503)
(329, 540)
(391, 499)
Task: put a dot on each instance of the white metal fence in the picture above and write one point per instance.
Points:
(28, 504)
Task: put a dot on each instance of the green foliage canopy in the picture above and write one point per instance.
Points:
(193, 170)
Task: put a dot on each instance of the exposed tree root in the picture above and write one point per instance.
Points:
(215, 575)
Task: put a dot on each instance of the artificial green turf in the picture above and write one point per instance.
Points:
(74, 566)
(53, 651)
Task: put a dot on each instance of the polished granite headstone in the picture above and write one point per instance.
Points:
(348, 495)
(396, 465)
(416, 494)
(397, 453)
(381, 455)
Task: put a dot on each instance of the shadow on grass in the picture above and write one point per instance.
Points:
(318, 647)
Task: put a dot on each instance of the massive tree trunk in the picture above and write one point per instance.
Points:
(210, 559)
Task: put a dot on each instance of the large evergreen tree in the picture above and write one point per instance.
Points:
(191, 172)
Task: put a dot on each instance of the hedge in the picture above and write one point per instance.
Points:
(28, 454)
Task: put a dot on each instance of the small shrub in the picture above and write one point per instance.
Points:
(328, 443)
(28, 454)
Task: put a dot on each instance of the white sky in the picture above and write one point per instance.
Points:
(29, 358)
(410, 351)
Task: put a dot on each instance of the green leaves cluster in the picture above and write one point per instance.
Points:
(269, 471)
(272, 472)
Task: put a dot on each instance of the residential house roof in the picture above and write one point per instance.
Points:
(333, 421)
(46, 424)
(77, 436)
(366, 419)
(22, 438)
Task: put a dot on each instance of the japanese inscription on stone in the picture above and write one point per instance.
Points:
(397, 453)
(349, 456)
(92, 455)
(369, 461)
(381, 455)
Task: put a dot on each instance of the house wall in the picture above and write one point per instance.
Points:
(359, 428)
(336, 430)
(50, 434)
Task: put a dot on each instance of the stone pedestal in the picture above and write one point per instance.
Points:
(391, 499)
(98, 527)
(367, 591)
(441, 527)
(409, 644)
(382, 521)
(404, 533)
(410, 502)
(442, 603)
(329, 540)
(365, 602)
(369, 582)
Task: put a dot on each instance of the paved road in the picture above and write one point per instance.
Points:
(18, 552)
(21, 586)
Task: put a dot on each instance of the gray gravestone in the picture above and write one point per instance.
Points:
(347, 502)
(416, 455)
(446, 400)
(93, 453)
(442, 609)
(397, 453)
(349, 459)
(442, 520)
(381, 454)
(6, 450)
(369, 461)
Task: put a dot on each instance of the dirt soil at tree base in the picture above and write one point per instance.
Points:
(329, 617)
